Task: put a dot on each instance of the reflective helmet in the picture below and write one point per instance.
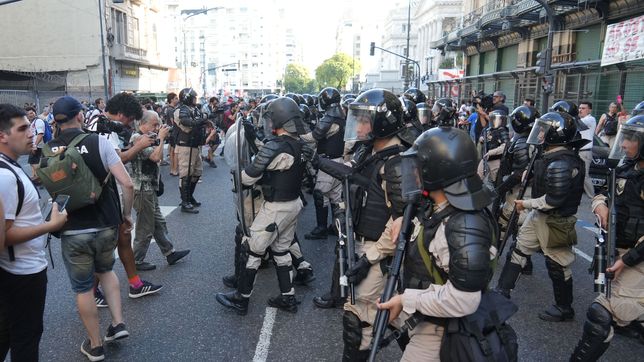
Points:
(345, 103)
(309, 100)
(327, 97)
(349, 95)
(415, 95)
(268, 97)
(629, 141)
(446, 158)
(315, 99)
(188, 96)
(296, 97)
(444, 112)
(554, 128)
(566, 107)
(376, 113)
(410, 112)
(639, 109)
(284, 113)
(498, 118)
(424, 114)
(522, 119)
(306, 113)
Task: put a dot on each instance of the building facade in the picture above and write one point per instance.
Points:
(58, 56)
(501, 40)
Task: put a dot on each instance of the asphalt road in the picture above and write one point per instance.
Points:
(185, 323)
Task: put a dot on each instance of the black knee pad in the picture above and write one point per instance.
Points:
(555, 271)
(598, 322)
(318, 198)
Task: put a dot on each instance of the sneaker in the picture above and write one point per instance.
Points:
(116, 332)
(146, 289)
(99, 298)
(145, 266)
(176, 256)
(93, 354)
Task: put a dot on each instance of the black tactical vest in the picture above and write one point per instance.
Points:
(496, 137)
(333, 147)
(196, 136)
(285, 185)
(106, 211)
(539, 181)
(630, 205)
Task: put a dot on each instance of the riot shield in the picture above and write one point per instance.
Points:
(237, 156)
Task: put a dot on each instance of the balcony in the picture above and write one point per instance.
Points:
(131, 54)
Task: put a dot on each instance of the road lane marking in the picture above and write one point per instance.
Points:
(261, 351)
(582, 254)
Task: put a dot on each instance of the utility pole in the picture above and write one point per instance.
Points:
(407, 49)
(548, 75)
(101, 22)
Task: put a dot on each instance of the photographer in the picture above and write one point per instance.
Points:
(145, 177)
(498, 98)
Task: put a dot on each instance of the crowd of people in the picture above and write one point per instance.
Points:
(452, 184)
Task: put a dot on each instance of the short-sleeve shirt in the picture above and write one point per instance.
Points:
(38, 127)
(145, 173)
(30, 256)
(588, 134)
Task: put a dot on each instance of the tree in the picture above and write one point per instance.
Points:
(297, 79)
(336, 71)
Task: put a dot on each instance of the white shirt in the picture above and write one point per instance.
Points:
(38, 127)
(588, 134)
(30, 255)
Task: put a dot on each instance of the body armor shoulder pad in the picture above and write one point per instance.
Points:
(393, 179)
(520, 155)
(559, 181)
(322, 127)
(265, 156)
(469, 237)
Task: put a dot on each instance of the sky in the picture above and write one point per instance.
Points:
(315, 22)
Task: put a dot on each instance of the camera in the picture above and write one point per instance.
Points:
(484, 100)
(107, 126)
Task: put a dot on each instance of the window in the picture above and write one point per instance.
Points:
(119, 26)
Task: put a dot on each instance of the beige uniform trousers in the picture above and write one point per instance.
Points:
(508, 206)
(185, 159)
(330, 187)
(626, 303)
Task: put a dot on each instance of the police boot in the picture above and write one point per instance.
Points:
(320, 231)
(235, 300)
(508, 278)
(286, 300)
(597, 335)
(331, 299)
(304, 276)
(562, 310)
(193, 186)
(186, 206)
(231, 280)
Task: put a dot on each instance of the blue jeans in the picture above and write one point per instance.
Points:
(86, 254)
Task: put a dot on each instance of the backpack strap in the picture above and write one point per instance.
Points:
(21, 197)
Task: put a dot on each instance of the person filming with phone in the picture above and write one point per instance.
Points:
(23, 261)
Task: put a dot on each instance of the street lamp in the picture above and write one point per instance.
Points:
(191, 14)
(374, 47)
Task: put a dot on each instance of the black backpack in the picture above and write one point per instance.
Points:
(610, 125)
(483, 335)
(21, 198)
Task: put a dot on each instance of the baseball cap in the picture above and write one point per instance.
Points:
(66, 108)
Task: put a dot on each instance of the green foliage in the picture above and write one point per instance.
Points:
(336, 71)
(297, 80)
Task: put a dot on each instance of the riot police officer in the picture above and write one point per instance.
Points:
(413, 128)
(514, 162)
(457, 239)
(443, 113)
(188, 147)
(557, 186)
(328, 133)
(415, 95)
(424, 116)
(375, 118)
(623, 312)
(280, 166)
(495, 138)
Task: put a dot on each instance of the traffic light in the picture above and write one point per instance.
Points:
(547, 83)
(372, 50)
(541, 62)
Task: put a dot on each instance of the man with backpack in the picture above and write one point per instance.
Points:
(23, 264)
(42, 134)
(89, 237)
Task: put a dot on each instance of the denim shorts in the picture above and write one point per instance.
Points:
(86, 254)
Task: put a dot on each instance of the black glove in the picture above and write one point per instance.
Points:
(359, 271)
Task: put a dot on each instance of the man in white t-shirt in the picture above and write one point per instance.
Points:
(23, 262)
(586, 152)
(37, 127)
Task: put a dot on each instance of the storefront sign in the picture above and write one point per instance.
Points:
(624, 41)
